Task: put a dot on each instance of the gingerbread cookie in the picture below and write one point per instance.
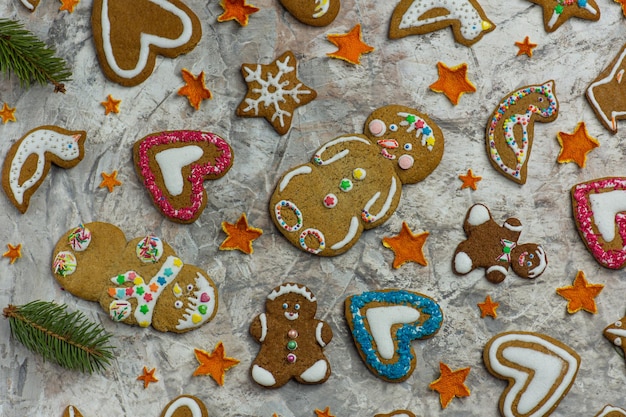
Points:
(30, 4)
(510, 130)
(416, 17)
(610, 411)
(274, 92)
(173, 166)
(495, 248)
(185, 406)
(71, 411)
(605, 93)
(292, 339)
(29, 159)
(129, 35)
(397, 413)
(313, 12)
(141, 282)
(557, 12)
(599, 207)
(357, 181)
(540, 371)
(383, 324)
(616, 334)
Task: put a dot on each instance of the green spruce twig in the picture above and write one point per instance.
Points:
(69, 339)
(31, 60)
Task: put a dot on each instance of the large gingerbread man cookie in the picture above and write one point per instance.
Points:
(292, 339)
(495, 248)
(354, 182)
(141, 282)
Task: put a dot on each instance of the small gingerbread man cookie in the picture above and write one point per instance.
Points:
(292, 339)
(495, 248)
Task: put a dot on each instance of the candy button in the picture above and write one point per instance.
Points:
(204, 298)
(359, 174)
(202, 309)
(293, 333)
(377, 127)
(196, 318)
(177, 290)
(330, 200)
(345, 185)
(406, 161)
(292, 345)
(291, 358)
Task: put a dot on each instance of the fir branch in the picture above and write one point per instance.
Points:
(69, 339)
(31, 60)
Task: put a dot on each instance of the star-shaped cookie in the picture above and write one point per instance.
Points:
(69, 5)
(240, 235)
(147, 377)
(237, 10)
(581, 294)
(325, 413)
(557, 12)
(452, 82)
(470, 180)
(407, 246)
(214, 364)
(194, 89)
(111, 105)
(576, 146)
(488, 308)
(110, 181)
(525, 47)
(274, 92)
(7, 114)
(450, 384)
(351, 45)
(14, 252)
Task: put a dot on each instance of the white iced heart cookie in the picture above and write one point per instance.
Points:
(129, 35)
(540, 371)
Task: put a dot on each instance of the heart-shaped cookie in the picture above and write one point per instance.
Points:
(173, 166)
(540, 371)
(129, 35)
(599, 208)
(313, 12)
(383, 324)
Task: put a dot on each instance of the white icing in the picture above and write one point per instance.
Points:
(538, 270)
(28, 5)
(263, 320)
(617, 332)
(321, 8)
(381, 319)
(146, 39)
(610, 409)
(605, 207)
(38, 143)
(591, 95)
(318, 334)
(305, 169)
(70, 410)
(338, 155)
(352, 231)
(545, 368)
(497, 268)
(387, 205)
(291, 315)
(193, 305)
(316, 372)
(478, 215)
(289, 289)
(263, 376)
(462, 263)
(513, 228)
(471, 24)
(555, 15)
(172, 161)
(181, 402)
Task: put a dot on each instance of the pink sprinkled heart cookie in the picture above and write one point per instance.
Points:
(173, 166)
(130, 34)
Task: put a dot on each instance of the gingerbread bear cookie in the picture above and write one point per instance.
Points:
(141, 282)
(354, 182)
(292, 339)
(495, 248)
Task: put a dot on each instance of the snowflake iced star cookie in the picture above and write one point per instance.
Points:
(383, 324)
(173, 166)
(416, 17)
(540, 371)
(598, 207)
(510, 129)
(29, 159)
(141, 282)
(557, 12)
(129, 36)
(274, 92)
(358, 180)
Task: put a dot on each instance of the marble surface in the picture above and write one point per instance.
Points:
(398, 71)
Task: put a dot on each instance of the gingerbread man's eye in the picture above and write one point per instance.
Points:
(393, 127)
(178, 304)
(190, 287)
(297, 306)
(529, 264)
(618, 324)
(408, 146)
(285, 306)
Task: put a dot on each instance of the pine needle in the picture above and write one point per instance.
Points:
(31, 60)
(69, 339)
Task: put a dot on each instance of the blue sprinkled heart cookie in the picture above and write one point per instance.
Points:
(383, 324)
